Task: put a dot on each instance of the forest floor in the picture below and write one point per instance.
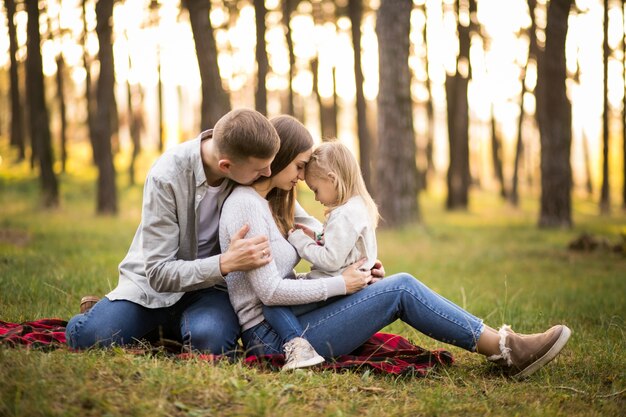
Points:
(491, 259)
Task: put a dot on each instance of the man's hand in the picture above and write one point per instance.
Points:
(378, 272)
(309, 232)
(245, 254)
(356, 279)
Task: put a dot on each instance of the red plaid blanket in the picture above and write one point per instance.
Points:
(383, 353)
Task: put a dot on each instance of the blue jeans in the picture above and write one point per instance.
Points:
(284, 319)
(203, 320)
(340, 325)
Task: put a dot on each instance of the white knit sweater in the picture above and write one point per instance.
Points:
(348, 237)
(275, 283)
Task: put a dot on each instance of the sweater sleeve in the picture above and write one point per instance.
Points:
(161, 231)
(266, 281)
(341, 233)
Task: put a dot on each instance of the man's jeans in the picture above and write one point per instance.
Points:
(203, 320)
(340, 325)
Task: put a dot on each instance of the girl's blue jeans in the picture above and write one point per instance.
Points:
(203, 320)
(340, 325)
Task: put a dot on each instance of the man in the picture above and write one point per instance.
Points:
(171, 282)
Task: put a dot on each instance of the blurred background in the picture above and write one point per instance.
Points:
(522, 98)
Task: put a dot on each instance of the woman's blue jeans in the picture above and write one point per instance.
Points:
(340, 325)
(204, 320)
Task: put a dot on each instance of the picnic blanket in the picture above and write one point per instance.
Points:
(383, 353)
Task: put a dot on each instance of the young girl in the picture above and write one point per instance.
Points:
(348, 236)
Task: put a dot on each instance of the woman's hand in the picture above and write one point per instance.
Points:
(355, 278)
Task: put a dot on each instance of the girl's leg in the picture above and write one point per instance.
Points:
(341, 326)
(113, 322)
(283, 321)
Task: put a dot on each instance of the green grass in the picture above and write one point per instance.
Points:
(492, 260)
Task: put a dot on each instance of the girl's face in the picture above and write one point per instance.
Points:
(292, 173)
(324, 189)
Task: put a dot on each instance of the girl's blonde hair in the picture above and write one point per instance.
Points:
(335, 158)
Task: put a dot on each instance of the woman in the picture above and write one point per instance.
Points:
(342, 312)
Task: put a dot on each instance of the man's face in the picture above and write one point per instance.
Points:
(246, 171)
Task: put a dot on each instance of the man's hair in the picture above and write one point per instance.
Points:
(244, 133)
(294, 139)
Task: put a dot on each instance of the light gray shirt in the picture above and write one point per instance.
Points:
(162, 262)
(275, 283)
(348, 236)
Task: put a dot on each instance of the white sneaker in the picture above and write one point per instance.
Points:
(300, 354)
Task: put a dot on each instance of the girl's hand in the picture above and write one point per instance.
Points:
(309, 232)
(378, 272)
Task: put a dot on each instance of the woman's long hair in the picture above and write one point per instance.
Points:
(335, 157)
(294, 139)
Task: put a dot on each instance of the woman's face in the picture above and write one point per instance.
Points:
(292, 173)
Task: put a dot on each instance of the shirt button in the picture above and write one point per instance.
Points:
(199, 197)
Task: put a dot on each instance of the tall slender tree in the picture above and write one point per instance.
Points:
(60, 78)
(260, 94)
(624, 111)
(17, 128)
(605, 192)
(555, 121)
(533, 55)
(430, 110)
(458, 114)
(288, 7)
(355, 10)
(89, 99)
(397, 185)
(106, 200)
(38, 112)
(496, 153)
(215, 100)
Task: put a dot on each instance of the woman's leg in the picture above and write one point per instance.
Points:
(342, 325)
(208, 322)
(108, 322)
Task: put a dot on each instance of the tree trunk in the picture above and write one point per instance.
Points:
(160, 103)
(624, 118)
(555, 117)
(260, 95)
(88, 92)
(430, 111)
(605, 199)
(287, 9)
(215, 101)
(355, 10)
(135, 124)
(519, 145)
(496, 154)
(106, 193)
(39, 120)
(17, 128)
(62, 109)
(397, 185)
(458, 122)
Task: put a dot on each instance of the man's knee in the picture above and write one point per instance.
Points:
(80, 334)
(212, 336)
